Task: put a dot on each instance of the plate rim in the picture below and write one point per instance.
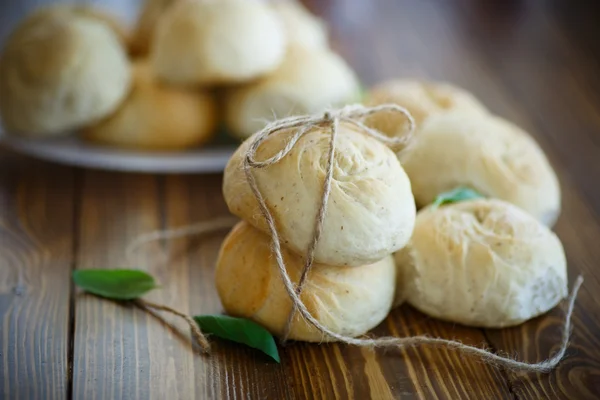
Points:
(204, 160)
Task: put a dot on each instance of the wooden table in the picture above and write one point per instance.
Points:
(536, 63)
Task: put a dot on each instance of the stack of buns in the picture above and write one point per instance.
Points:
(487, 262)
(370, 215)
(159, 85)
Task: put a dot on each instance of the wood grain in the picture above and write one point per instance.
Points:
(36, 239)
(113, 350)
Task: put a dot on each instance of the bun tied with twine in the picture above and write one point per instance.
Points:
(327, 176)
(337, 173)
(347, 300)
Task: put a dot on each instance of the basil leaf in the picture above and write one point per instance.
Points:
(456, 195)
(239, 330)
(115, 284)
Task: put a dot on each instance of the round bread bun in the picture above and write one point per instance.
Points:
(66, 10)
(421, 98)
(151, 12)
(483, 263)
(156, 116)
(61, 70)
(308, 81)
(84, 10)
(486, 153)
(217, 41)
(302, 27)
(370, 212)
(348, 301)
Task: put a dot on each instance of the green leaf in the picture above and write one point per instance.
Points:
(115, 284)
(239, 330)
(456, 195)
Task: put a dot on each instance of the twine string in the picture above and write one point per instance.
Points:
(196, 331)
(318, 228)
(200, 228)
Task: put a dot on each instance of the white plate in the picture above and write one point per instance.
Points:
(71, 150)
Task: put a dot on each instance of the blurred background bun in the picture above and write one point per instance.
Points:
(422, 99)
(217, 42)
(61, 68)
(308, 81)
(89, 11)
(149, 15)
(302, 28)
(157, 116)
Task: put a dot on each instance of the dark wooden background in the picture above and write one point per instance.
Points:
(536, 63)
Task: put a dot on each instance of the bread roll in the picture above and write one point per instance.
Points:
(217, 41)
(348, 301)
(66, 10)
(60, 70)
(483, 263)
(156, 116)
(83, 10)
(370, 212)
(422, 99)
(307, 82)
(147, 21)
(485, 153)
(302, 27)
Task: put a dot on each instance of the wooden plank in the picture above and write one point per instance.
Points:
(36, 239)
(121, 352)
(231, 371)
